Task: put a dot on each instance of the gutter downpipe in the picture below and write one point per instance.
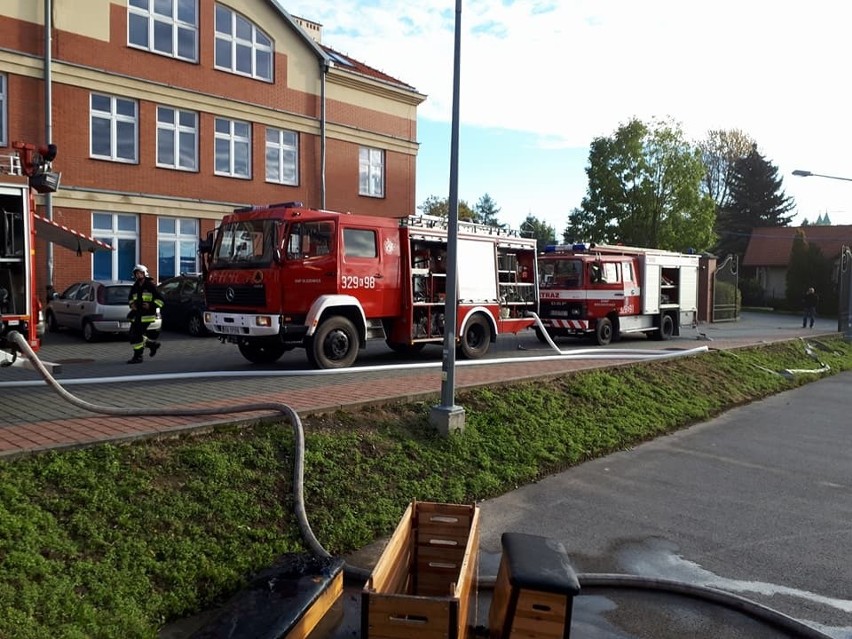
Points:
(324, 66)
(48, 124)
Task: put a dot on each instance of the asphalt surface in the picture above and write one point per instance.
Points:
(756, 503)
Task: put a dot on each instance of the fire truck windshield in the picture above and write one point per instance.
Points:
(561, 273)
(245, 243)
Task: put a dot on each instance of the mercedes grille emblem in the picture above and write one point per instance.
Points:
(230, 294)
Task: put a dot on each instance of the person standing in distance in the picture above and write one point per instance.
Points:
(145, 304)
(809, 304)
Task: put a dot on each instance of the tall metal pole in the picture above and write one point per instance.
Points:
(48, 125)
(447, 417)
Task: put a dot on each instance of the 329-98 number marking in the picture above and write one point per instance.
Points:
(353, 281)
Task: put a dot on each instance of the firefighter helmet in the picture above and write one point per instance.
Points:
(140, 268)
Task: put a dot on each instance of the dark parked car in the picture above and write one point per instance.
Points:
(184, 303)
(93, 307)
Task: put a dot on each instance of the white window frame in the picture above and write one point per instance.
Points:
(371, 172)
(112, 238)
(176, 239)
(281, 145)
(228, 35)
(171, 130)
(146, 9)
(234, 141)
(4, 113)
(115, 119)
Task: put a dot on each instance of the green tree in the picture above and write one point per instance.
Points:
(439, 207)
(808, 267)
(543, 233)
(645, 190)
(486, 211)
(756, 199)
(720, 151)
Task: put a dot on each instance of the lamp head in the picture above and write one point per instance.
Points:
(802, 173)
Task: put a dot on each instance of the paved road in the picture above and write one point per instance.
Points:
(757, 502)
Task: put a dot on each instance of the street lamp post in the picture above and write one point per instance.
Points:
(845, 273)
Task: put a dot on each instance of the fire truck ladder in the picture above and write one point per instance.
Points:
(10, 164)
(437, 222)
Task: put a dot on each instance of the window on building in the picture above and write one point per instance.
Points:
(114, 125)
(241, 47)
(233, 148)
(177, 246)
(4, 100)
(121, 231)
(282, 156)
(371, 170)
(177, 138)
(167, 27)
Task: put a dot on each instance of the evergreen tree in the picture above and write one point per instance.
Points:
(540, 230)
(486, 211)
(756, 199)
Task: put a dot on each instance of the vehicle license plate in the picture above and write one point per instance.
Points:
(232, 330)
(124, 326)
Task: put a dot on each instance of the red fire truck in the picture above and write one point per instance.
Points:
(23, 173)
(284, 276)
(607, 291)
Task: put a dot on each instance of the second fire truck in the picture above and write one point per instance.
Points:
(607, 291)
(283, 276)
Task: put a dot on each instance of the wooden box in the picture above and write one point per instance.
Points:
(423, 582)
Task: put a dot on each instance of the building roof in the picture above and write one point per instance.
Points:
(331, 57)
(343, 61)
(771, 246)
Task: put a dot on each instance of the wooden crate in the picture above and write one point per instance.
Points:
(423, 583)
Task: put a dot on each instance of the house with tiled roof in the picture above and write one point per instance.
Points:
(168, 115)
(768, 252)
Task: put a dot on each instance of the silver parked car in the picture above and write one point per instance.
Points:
(93, 307)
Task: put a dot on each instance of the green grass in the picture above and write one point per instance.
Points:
(115, 541)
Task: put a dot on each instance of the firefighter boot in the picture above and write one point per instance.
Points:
(153, 347)
(137, 357)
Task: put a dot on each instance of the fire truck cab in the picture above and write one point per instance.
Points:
(283, 276)
(607, 291)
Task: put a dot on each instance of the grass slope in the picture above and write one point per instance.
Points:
(114, 541)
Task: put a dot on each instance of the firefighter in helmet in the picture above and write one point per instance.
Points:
(145, 304)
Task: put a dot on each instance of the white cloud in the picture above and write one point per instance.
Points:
(570, 70)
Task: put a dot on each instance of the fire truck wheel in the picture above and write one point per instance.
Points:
(540, 335)
(603, 331)
(666, 328)
(334, 345)
(476, 338)
(261, 352)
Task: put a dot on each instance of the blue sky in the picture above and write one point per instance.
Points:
(540, 79)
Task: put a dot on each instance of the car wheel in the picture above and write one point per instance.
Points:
(52, 324)
(195, 325)
(90, 333)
